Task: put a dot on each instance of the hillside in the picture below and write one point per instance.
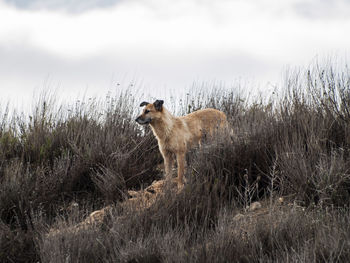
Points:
(84, 182)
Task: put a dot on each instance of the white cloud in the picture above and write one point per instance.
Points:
(134, 25)
(172, 42)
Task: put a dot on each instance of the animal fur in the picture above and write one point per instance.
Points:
(177, 135)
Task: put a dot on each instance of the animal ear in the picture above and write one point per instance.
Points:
(158, 104)
(144, 103)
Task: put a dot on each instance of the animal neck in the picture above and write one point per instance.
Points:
(162, 127)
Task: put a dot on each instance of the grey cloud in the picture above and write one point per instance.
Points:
(28, 67)
(74, 6)
(323, 9)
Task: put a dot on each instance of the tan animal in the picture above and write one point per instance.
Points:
(177, 135)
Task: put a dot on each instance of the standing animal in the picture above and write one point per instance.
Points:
(177, 135)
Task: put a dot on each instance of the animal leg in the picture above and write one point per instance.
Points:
(181, 162)
(168, 164)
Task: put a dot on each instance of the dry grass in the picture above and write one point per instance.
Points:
(61, 163)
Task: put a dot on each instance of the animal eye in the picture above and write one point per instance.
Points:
(146, 111)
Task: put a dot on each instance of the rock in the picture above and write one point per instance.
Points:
(255, 206)
(98, 216)
(238, 217)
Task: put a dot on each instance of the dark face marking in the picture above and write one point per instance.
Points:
(143, 121)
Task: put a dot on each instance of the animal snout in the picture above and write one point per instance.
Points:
(141, 120)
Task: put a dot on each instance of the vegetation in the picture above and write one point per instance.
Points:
(62, 162)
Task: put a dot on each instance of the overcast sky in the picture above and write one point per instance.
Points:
(77, 46)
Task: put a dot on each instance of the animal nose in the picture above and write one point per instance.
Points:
(137, 119)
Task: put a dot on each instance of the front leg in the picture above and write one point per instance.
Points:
(181, 163)
(168, 163)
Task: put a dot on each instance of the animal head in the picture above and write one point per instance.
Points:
(151, 112)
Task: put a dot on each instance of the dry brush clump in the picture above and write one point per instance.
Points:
(57, 155)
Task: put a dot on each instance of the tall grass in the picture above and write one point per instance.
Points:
(90, 153)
